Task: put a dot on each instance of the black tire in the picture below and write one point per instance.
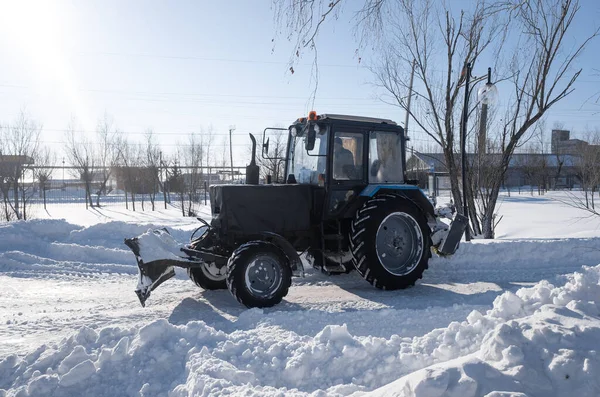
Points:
(274, 266)
(405, 263)
(205, 280)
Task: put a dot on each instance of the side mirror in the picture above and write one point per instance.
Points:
(265, 148)
(311, 137)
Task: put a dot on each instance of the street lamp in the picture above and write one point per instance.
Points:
(487, 95)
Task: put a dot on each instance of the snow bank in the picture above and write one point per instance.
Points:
(525, 260)
(541, 341)
(39, 247)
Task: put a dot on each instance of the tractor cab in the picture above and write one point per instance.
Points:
(343, 155)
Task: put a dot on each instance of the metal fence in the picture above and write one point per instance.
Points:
(186, 187)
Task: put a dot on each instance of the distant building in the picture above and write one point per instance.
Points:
(9, 164)
(556, 170)
(550, 170)
(562, 144)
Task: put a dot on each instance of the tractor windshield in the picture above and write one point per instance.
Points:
(308, 167)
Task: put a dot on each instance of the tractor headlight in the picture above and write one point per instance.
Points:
(317, 129)
(294, 131)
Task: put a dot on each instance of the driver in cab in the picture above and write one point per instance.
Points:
(343, 160)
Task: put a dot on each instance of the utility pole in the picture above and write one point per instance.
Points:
(410, 87)
(231, 129)
(164, 187)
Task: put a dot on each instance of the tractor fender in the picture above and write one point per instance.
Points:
(409, 192)
(288, 249)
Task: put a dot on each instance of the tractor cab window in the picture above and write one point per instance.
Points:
(308, 167)
(347, 156)
(385, 157)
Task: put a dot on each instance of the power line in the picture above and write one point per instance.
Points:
(208, 59)
(190, 94)
(215, 145)
(199, 134)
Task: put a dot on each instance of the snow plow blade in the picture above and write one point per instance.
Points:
(156, 253)
(450, 243)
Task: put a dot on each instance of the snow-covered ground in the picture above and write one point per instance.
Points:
(516, 315)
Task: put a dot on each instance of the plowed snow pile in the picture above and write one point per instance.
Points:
(541, 341)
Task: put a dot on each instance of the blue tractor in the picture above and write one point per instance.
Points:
(346, 204)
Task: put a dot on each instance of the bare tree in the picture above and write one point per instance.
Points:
(441, 43)
(541, 76)
(193, 154)
(175, 180)
(152, 162)
(207, 144)
(224, 160)
(82, 156)
(20, 144)
(107, 153)
(130, 162)
(45, 160)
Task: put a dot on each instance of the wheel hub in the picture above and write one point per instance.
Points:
(399, 243)
(212, 272)
(263, 276)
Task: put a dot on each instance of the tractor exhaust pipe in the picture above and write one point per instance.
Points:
(252, 170)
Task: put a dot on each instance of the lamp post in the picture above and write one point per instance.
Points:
(463, 135)
(486, 95)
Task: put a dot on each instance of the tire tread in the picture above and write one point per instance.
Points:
(362, 251)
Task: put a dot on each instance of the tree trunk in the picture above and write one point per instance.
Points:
(454, 183)
(16, 196)
(23, 201)
(182, 204)
(487, 221)
(165, 196)
(126, 200)
(152, 198)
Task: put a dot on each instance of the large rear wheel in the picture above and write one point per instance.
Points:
(391, 242)
(258, 274)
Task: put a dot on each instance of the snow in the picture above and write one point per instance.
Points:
(518, 316)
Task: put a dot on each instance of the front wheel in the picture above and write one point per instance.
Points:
(208, 277)
(391, 242)
(258, 274)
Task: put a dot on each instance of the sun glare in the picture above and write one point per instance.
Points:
(36, 30)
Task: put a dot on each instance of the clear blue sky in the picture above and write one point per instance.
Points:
(180, 66)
